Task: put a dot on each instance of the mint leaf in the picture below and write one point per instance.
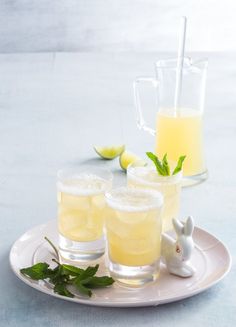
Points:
(82, 289)
(89, 272)
(86, 275)
(37, 271)
(57, 276)
(71, 270)
(94, 282)
(61, 289)
(157, 163)
(178, 168)
(165, 165)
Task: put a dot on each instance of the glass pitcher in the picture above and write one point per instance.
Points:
(178, 128)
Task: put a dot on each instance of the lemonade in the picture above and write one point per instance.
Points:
(81, 207)
(170, 187)
(181, 134)
(133, 225)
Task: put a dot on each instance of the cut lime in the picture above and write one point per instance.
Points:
(126, 158)
(109, 152)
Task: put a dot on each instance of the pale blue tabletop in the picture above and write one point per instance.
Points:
(53, 109)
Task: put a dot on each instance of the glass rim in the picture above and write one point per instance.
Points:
(69, 171)
(156, 199)
(66, 175)
(172, 179)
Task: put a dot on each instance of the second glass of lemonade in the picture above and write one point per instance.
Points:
(133, 227)
(81, 206)
(170, 186)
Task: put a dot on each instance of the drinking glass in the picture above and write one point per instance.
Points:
(133, 229)
(170, 187)
(178, 126)
(81, 205)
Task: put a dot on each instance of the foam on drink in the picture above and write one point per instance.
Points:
(83, 184)
(134, 200)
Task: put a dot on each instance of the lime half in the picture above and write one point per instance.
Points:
(127, 158)
(109, 152)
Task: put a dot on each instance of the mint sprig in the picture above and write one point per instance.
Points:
(162, 166)
(63, 275)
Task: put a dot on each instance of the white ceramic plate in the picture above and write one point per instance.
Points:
(211, 259)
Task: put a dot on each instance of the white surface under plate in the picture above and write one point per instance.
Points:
(211, 259)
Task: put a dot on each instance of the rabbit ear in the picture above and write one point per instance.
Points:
(178, 226)
(189, 226)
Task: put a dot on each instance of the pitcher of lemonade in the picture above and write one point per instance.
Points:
(179, 127)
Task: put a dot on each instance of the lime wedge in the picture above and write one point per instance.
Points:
(126, 158)
(109, 152)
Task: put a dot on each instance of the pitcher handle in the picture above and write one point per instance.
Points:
(139, 113)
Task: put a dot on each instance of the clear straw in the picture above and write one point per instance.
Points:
(180, 62)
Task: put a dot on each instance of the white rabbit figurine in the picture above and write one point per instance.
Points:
(177, 253)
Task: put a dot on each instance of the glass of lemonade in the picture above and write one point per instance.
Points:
(81, 207)
(170, 186)
(133, 228)
(177, 127)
